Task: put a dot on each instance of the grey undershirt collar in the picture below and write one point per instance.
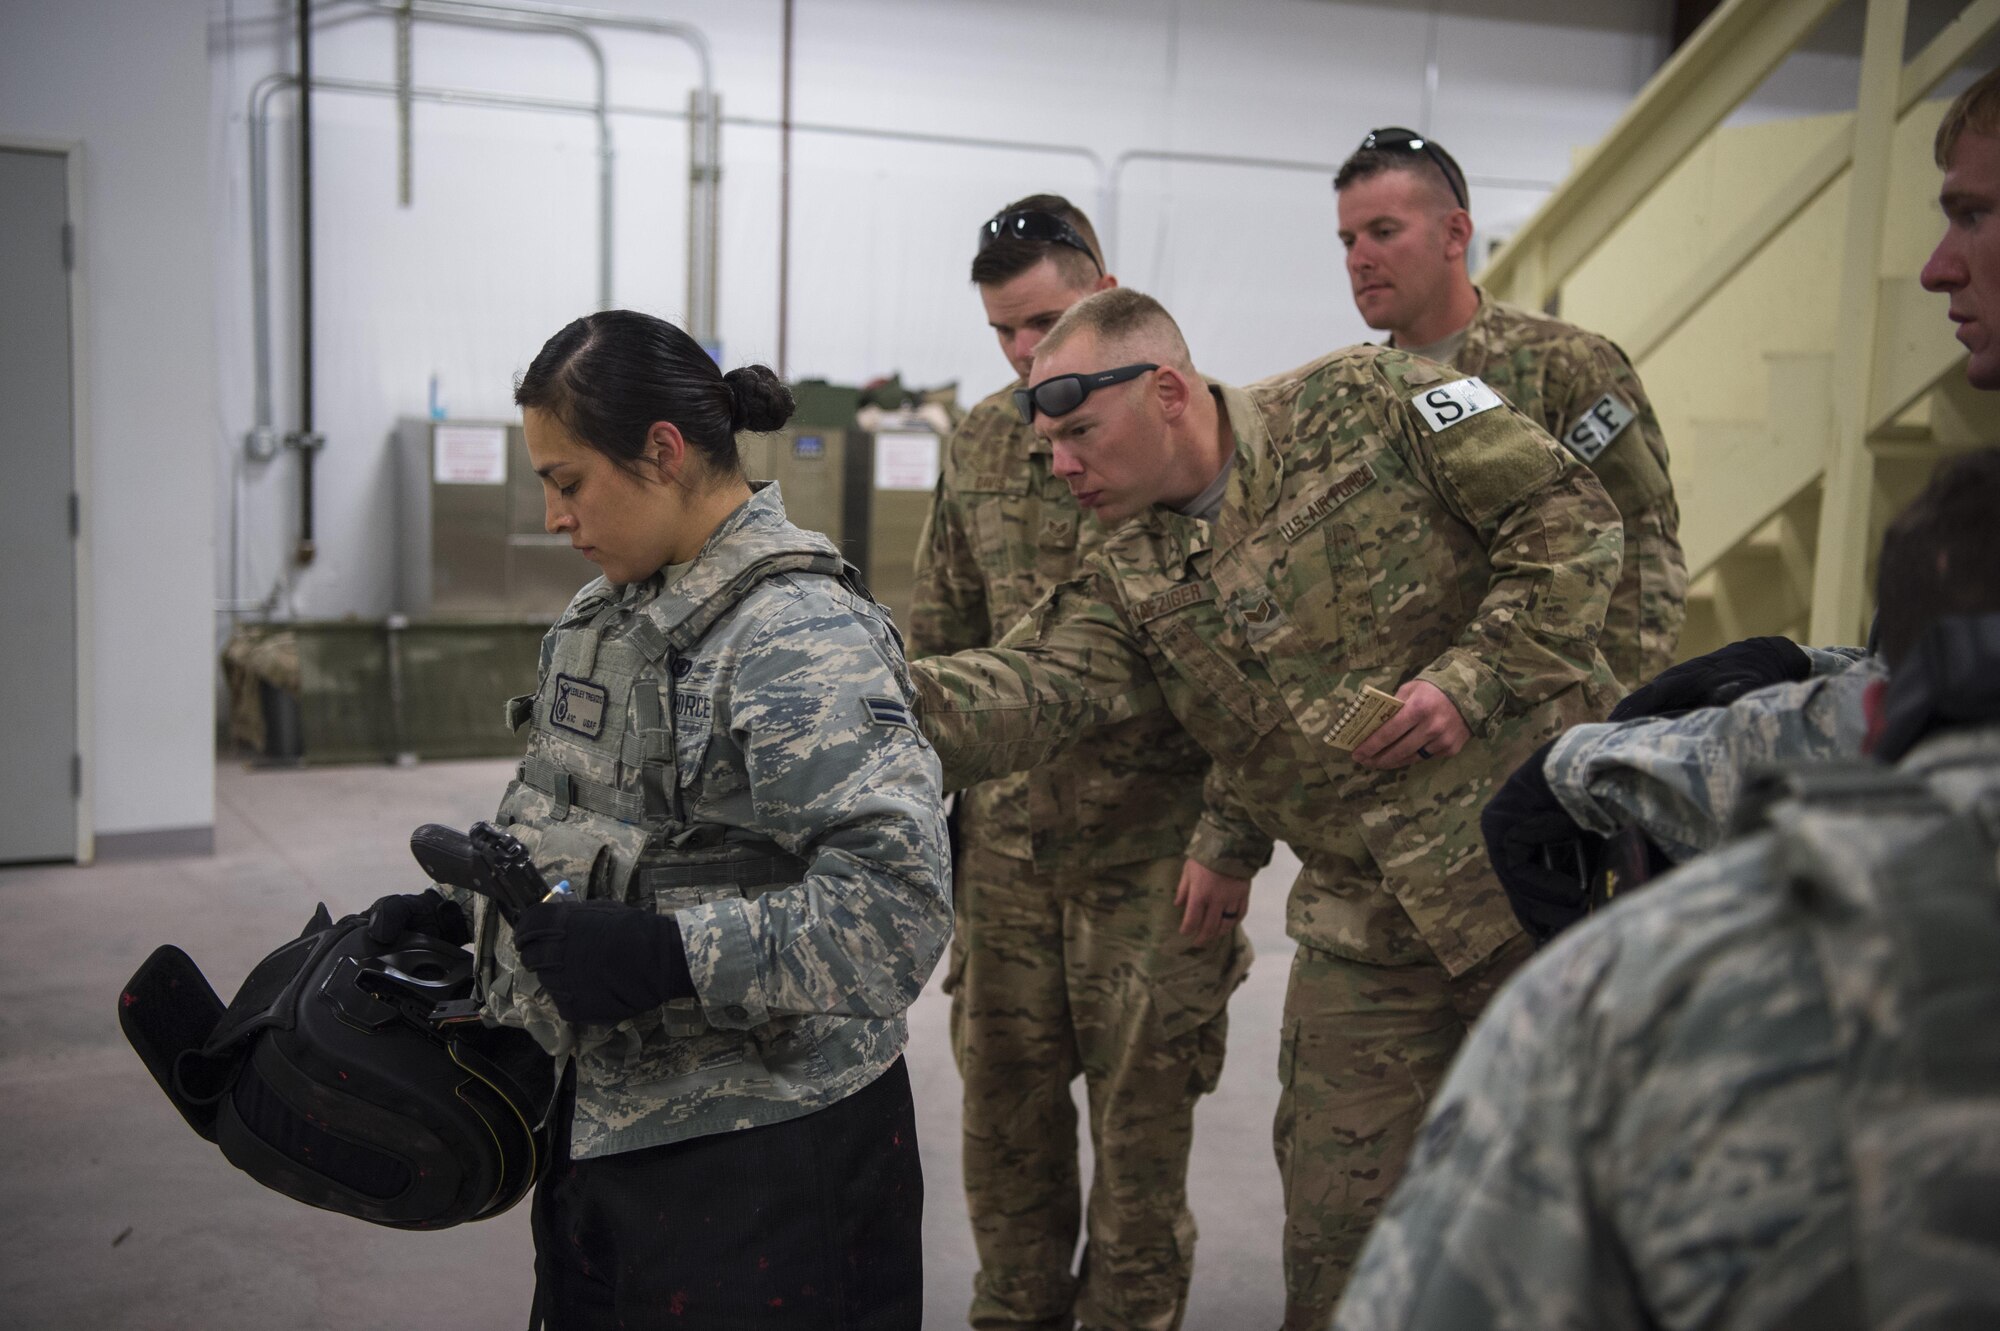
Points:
(1442, 350)
(1209, 502)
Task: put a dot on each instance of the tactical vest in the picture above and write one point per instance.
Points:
(1899, 881)
(616, 737)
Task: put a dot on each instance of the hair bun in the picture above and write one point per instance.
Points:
(759, 399)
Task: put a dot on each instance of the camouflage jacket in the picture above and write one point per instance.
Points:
(1582, 390)
(1764, 1093)
(1381, 522)
(1003, 531)
(736, 747)
(1676, 778)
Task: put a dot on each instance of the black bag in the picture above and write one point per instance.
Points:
(351, 1075)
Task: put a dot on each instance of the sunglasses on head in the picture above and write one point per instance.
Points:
(1398, 140)
(1065, 393)
(1027, 224)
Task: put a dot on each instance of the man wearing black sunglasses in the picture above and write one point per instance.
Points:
(1371, 523)
(1404, 221)
(1071, 954)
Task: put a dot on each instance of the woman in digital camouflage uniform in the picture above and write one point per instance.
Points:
(722, 763)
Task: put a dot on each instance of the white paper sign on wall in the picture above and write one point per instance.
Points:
(906, 460)
(469, 455)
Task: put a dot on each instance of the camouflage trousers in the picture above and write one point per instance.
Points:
(1642, 626)
(1056, 975)
(1364, 1049)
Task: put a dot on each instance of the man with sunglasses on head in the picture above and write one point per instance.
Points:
(1370, 523)
(1072, 954)
(1404, 220)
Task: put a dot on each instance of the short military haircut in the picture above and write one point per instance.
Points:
(1127, 321)
(1976, 111)
(1941, 555)
(1441, 173)
(1009, 256)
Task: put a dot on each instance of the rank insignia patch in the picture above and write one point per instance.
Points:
(888, 712)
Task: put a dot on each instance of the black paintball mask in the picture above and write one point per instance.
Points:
(1950, 678)
(351, 1075)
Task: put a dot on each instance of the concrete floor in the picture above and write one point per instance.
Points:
(114, 1215)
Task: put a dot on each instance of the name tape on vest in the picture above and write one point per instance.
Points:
(1342, 490)
(579, 706)
(1448, 404)
(1188, 593)
(1601, 422)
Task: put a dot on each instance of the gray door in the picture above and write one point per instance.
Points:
(38, 659)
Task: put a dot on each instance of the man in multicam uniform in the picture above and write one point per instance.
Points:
(1370, 519)
(1765, 1092)
(1404, 222)
(1067, 957)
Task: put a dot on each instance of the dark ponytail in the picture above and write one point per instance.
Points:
(608, 376)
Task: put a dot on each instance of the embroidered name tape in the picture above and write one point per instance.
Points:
(1601, 422)
(888, 712)
(1188, 593)
(693, 707)
(579, 706)
(1448, 404)
(1342, 490)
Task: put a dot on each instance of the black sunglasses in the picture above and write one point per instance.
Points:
(1027, 224)
(1395, 139)
(1065, 393)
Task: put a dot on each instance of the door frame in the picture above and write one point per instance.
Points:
(71, 153)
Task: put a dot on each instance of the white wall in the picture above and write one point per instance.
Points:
(498, 249)
(131, 82)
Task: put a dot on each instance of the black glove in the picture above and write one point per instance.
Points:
(1718, 679)
(1538, 851)
(429, 913)
(603, 961)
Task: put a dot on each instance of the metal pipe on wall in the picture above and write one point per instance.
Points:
(705, 142)
(307, 440)
(785, 198)
(405, 117)
(439, 11)
(263, 440)
(1107, 229)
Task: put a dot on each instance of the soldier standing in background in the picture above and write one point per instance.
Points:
(1073, 953)
(1765, 1091)
(1404, 222)
(1370, 521)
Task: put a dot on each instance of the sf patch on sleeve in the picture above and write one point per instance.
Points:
(1601, 422)
(1447, 404)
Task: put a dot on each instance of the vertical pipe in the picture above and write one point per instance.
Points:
(308, 440)
(403, 109)
(605, 213)
(785, 199)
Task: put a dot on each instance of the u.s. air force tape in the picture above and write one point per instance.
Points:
(1447, 404)
(1601, 422)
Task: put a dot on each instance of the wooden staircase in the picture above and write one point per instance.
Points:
(1763, 280)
